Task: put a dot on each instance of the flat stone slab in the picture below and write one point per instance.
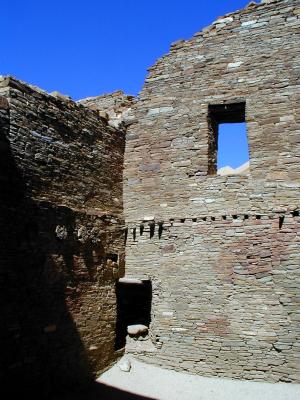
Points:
(162, 384)
(133, 281)
(137, 329)
(139, 346)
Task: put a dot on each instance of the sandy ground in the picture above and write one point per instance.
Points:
(157, 383)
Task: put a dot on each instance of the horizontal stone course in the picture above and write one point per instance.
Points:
(222, 252)
(61, 222)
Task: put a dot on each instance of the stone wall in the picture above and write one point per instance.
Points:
(114, 107)
(222, 251)
(250, 56)
(225, 295)
(61, 242)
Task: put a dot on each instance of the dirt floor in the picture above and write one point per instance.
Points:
(149, 382)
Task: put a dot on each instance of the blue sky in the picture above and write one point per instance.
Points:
(85, 48)
(232, 145)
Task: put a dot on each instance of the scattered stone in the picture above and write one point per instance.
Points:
(125, 365)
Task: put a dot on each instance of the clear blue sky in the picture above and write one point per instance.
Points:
(232, 145)
(89, 47)
(86, 48)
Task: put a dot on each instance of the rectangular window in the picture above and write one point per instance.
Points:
(228, 152)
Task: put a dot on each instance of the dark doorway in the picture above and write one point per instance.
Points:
(134, 299)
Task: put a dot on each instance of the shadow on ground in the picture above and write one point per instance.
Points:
(99, 391)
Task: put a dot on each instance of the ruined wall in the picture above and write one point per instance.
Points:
(114, 107)
(61, 242)
(222, 251)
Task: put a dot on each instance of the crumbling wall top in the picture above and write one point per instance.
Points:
(114, 107)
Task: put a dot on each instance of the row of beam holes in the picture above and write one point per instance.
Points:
(224, 217)
(152, 231)
(281, 218)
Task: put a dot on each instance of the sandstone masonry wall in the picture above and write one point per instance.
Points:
(250, 56)
(115, 107)
(222, 251)
(61, 242)
(225, 294)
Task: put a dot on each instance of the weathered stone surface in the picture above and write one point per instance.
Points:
(125, 365)
(60, 219)
(115, 106)
(131, 281)
(4, 103)
(138, 329)
(222, 251)
(225, 262)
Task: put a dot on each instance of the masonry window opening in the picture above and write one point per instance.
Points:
(228, 150)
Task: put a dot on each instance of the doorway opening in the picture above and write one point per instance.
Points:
(134, 298)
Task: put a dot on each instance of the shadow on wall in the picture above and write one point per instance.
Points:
(41, 350)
